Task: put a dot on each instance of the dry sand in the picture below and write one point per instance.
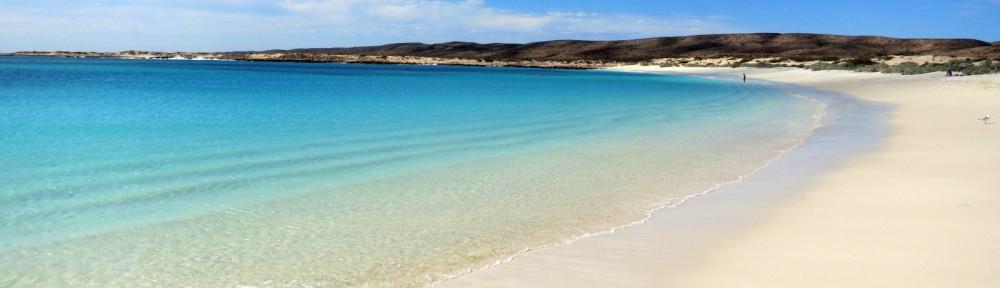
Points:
(920, 210)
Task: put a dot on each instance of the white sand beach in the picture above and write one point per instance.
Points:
(922, 209)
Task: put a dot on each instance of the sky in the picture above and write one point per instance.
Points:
(233, 25)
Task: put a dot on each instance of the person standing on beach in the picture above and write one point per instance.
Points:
(744, 77)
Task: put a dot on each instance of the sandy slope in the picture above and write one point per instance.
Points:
(923, 210)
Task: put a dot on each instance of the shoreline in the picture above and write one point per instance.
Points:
(261, 232)
(615, 260)
(822, 122)
(818, 118)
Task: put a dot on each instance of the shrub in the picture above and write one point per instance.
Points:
(740, 63)
(987, 66)
(907, 68)
(861, 61)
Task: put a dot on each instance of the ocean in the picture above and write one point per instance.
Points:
(157, 173)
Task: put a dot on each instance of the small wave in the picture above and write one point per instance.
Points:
(817, 122)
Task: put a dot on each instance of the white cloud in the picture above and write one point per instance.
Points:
(257, 24)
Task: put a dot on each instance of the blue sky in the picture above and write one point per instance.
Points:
(224, 25)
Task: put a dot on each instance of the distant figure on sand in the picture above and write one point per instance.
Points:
(986, 119)
(744, 77)
(948, 74)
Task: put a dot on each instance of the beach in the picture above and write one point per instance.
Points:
(917, 208)
(637, 176)
(499, 144)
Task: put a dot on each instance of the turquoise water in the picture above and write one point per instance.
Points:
(134, 173)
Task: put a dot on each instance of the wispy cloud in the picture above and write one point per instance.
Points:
(258, 24)
(975, 7)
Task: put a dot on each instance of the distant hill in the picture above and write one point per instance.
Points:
(813, 51)
(718, 45)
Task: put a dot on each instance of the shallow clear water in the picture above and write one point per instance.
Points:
(119, 173)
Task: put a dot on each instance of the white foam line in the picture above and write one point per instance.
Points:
(671, 203)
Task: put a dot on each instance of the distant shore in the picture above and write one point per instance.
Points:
(917, 211)
(326, 58)
(803, 50)
(905, 64)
